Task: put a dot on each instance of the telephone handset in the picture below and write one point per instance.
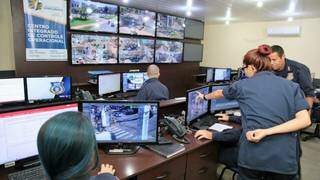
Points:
(177, 130)
(86, 95)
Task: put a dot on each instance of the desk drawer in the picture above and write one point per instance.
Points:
(202, 163)
(173, 170)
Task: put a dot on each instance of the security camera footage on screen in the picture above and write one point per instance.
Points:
(48, 88)
(223, 103)
(123, 122)
(222, 74)
(168, 51)
(94, 49)
(170, 26)
(136, 50)
(137, 22)
(93, 16)
(133, 81)
(196, 107)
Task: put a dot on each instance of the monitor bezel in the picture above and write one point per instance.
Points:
(122, 80)
(210, 101)
(23, 161)
(114, 92)
(214, 75)
(187, 102)
(24, 92)
(80, 107)
(47, 100)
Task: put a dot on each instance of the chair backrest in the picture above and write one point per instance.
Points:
(315, 115)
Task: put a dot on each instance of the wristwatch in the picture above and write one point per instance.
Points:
(204, 97)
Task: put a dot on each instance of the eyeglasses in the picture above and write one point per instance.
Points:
(244, 67)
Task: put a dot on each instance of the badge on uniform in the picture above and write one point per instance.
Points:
(57, 88)
(290, 76)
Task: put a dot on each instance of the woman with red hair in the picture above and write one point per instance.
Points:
(273, 110)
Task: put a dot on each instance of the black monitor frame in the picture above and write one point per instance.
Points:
(122, 80)
(111, 93)
(187, 102)
(126, 102)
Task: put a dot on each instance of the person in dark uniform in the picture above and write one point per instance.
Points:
(273, 109)
(293, 71)
(68, 149)
(153, 89)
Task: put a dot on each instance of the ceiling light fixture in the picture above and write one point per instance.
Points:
(227, 22)
(125, 1)
(292, 6)
(228, 13)
(290, 19)
(189, 4)
(259, 4)
(188, 13)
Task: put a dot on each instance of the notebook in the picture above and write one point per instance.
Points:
(167, 150)
(219, 127)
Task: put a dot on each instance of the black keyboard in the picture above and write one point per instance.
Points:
(205, 122)
(34, 173)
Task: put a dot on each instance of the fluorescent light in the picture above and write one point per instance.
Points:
(227, 22)
(292, 6)
(125, 1)
(259, 4)
(290, 19)
(189, 13)
(228, 13)
(189, 4)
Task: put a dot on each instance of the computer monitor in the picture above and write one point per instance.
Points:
(222, 74)
(196, 107)
(12, 90)
(209, 77)
(223, 103)
(133, 80)
(48, 88)
(168, 51)
(109, 83)
(19, 130)
(123, 122)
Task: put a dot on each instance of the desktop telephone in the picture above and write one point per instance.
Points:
(86, 95)
(177, 130)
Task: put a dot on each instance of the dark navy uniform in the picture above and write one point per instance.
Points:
(266, 101)
(298, 73)
(153, 89)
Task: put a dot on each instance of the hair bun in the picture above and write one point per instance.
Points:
(264, 50)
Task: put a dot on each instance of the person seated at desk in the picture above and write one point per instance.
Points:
(68, 149)
(273, 110)
(153, 89)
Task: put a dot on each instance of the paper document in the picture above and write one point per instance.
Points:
(219, 127)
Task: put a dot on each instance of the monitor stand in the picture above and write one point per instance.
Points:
(121, 149)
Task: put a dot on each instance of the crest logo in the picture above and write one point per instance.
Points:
(57, 88)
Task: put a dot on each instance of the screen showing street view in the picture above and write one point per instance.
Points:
(170, 26)
(137, 22)
(88, 15)
(196, 107)
(94, 49)
(133, 81)
(123, 122)
(136, 50)
(222, 103)
(168, 51)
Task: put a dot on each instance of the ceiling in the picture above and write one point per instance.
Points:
(214, 11)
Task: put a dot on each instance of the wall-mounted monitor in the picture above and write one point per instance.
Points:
(192, 52)
(194, 29)
(136, 50)
(170, 26)
(87, 15)
(137, 22)
(168, 51)
(94, 49)
(48, 88)
(12, 90)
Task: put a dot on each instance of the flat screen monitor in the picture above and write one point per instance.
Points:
(194, 29)
(86, 15)
(109, 83)
(222, 74)
(48, 88)
(94, 49)
(137, 22)
(170, 26)
(192, 52)
(223, 103)
(19, 130)
(12, 90)
(196, 108)
(133, 81)
(123, 122)
(168, 51)
(209, 77)
(136, 50)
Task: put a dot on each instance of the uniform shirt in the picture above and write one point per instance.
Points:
(298, 73)
(266, 101)
(153, 89)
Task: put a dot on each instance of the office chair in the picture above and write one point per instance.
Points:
(315, 118)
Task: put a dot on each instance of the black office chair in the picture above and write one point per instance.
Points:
(315, 118)
(228, 156)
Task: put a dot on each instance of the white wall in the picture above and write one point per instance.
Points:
(225, 45)
(6, 41)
